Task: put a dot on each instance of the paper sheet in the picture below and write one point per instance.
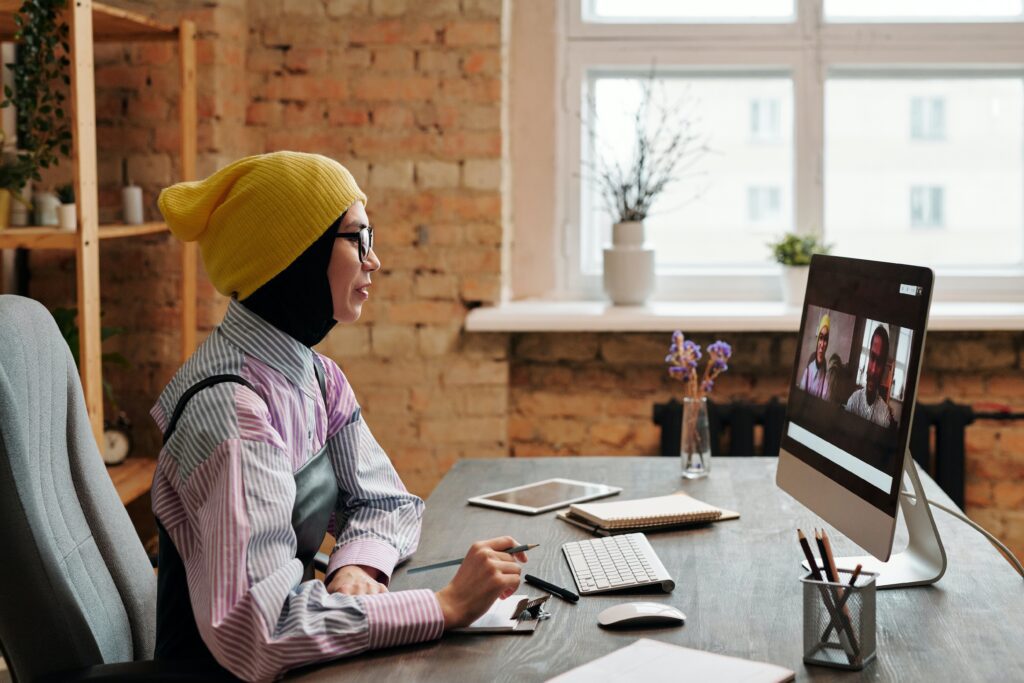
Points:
(653, 661)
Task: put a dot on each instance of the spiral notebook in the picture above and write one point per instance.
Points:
(663, 511)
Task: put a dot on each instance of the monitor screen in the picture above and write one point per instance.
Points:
(855, 376)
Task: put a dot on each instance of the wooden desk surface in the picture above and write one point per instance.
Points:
(737, 582)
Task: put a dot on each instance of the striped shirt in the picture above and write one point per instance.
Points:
(224, 490)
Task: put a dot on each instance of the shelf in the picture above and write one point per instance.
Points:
(55, 238)
(109, 24)
(132, 478)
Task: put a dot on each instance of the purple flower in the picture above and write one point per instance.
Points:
(707, 385)
(720, 348)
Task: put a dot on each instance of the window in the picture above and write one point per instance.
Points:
(928, 118)
(872, 122)
(765, 124)
(926, 207)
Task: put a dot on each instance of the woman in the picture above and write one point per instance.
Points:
(265, 448)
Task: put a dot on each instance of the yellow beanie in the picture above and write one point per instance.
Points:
(257, 215)
(824, 323)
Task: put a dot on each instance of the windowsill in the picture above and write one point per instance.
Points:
(717, 316)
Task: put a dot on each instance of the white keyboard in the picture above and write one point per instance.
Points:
(615, 563)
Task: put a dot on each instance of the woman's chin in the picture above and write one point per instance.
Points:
(349, 315)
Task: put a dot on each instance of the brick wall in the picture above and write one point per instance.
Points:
(408, 95)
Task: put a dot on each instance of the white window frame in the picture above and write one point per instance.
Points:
(808, 49)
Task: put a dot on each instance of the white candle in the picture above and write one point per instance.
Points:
(131, 204)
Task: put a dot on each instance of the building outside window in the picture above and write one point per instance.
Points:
(928, 118)
(926, 206)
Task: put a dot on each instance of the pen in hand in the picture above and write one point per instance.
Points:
(451, 563)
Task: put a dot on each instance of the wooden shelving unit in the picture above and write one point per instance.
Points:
(92, 22)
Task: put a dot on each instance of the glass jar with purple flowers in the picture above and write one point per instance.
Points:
(683, 361)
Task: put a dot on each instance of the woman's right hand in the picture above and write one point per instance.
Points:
(485, 575)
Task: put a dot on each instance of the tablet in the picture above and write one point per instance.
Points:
(542, 496)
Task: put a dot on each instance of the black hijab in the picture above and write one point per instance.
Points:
(298, 300)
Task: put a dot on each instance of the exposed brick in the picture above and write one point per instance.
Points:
(437, 174)
(396, 175)
(345, 8)
(303, 8)
(261, 114)
(393, 340)
(481, 287)
(482, 174)
(346, 341)
(428, 312)
(392, 116)
(348, 115)
(552, 347)
(461, 371)
(435, 61)
(482, 61)
(486, 8)
(150, 169)
(300, 114)
(393, 59)
(437, 340)
(435, 286)
(462, 33)
(389, 8)
(394, 31)
(396, 88)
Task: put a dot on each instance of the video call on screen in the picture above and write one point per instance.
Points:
(853, 380)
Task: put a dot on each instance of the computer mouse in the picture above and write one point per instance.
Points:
(641, 614)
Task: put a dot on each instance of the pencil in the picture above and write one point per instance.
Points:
(451, 563)
(842, 603)
(815, 572)
(830, 564)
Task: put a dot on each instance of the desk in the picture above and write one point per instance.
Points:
(737, 583)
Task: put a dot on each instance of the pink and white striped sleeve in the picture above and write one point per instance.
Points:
(253, 611)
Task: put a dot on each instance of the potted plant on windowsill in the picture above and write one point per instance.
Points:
(794, 253)
(666, 146)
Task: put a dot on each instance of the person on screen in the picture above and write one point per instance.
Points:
(813, 381)
(867, 402)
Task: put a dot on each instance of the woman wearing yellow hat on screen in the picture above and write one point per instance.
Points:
(265, 449)
(814, 381)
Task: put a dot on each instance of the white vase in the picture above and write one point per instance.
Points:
(131, 204)
(794, 284)
(20, 210)
(67, 219)
(46, 204)
(628, 266)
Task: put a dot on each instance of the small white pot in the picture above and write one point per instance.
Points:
(794, 285)
(628, 266)
(67, 219)
(45, 204)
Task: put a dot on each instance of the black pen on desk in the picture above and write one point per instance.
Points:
(552, 588)
(451, 563)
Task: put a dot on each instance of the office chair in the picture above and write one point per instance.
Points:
(77, 592)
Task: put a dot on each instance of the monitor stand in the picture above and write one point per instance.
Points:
(924, 560)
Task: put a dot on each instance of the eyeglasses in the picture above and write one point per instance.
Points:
(364, 238)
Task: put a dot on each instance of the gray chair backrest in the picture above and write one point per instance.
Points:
(76, 587)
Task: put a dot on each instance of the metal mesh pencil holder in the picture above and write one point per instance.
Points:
(839, 621)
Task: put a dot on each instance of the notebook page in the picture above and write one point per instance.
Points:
(661, 510)
(653, 661)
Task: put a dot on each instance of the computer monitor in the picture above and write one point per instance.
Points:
(851, 402)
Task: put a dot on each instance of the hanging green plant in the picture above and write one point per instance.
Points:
(41, 74)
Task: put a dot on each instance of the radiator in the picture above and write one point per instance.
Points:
(937, 438)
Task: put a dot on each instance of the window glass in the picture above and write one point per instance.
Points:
(969, 182)
(923, 10)
(740, 192)
(682, 11)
